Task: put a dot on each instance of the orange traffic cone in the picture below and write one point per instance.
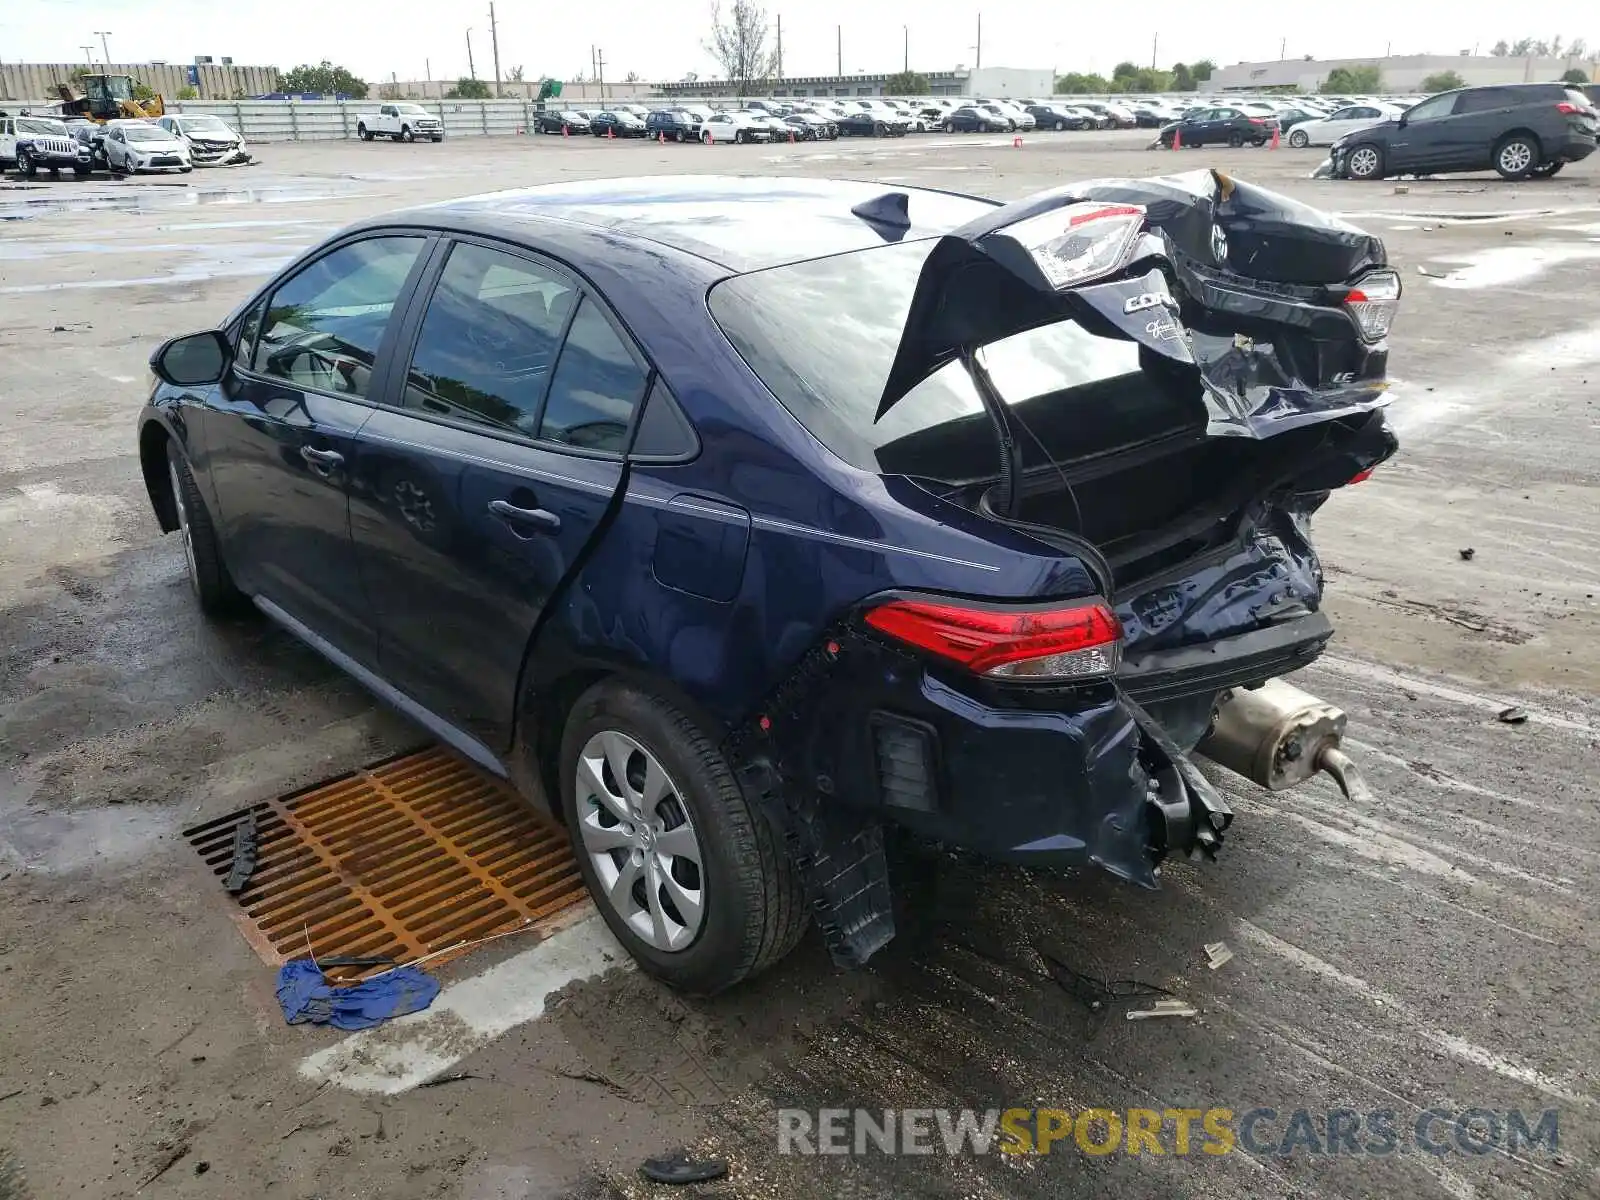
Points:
(1274, 145)
(791, 137)
(565, 132)
(611, 132)
(1177, 138)
(661, 137)
(1016, 142)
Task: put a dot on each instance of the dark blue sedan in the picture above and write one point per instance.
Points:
(734, 549)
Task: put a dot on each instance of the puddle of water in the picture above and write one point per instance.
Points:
(1513, 264)
(139, 199)
(57, 843)
(213, 262)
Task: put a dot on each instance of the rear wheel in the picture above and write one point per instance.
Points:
(688, 875)
(879, 129)
(1517, 156)
(83, 172)
(363, 133)
(1236, 139)
(1060, 125)
(202, 553)
(1365, 162)
(738, 137)
(1299, 139)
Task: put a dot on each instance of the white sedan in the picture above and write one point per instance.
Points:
(1340, 122)
(134, 146)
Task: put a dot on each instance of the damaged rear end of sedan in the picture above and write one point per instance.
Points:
(1137, 393)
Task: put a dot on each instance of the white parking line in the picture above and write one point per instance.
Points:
(468, 1014)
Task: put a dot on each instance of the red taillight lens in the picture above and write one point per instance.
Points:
(1257, 121)
(1360, 477)
(1564, 107)
(1082, 640)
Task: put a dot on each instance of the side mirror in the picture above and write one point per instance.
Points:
(1401, 123)
(194, 360)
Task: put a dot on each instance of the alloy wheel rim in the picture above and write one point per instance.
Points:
(183, 528)
(1363, 162)
(641, 841)
(1516, 156)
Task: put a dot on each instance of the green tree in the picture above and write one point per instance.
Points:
(1501, 49)
(143, 91)
(907, 83)
(1442, 81)
(1124, 70)
(325, 78)
(1202, 70)
(1182, 79)
(1345, 80)
(468, 89)
(188, 93)
(1074, 84)
(1574, 76)
(1523, 47)
(514, 75)
(739, 44)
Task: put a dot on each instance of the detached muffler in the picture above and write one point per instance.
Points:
(1278, 736)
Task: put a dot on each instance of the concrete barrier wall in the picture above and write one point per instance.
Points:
(36, 82)
(331, 120)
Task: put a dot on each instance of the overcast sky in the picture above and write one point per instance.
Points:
(662, 39)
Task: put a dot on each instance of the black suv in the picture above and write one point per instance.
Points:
(1521, 130)
(674, 124)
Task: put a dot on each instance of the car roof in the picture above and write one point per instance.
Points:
(727, 220)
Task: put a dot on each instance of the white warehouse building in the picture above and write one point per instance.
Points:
(1401, 73)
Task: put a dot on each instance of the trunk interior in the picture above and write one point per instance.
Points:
(1124, 464)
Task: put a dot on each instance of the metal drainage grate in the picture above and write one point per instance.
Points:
(398, 860)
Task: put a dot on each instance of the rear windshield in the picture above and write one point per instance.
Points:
(822, 335)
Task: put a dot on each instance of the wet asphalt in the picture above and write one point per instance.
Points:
(1423, 950)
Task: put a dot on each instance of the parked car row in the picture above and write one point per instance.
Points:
(34, 143)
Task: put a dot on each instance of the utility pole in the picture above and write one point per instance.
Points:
(1155, 42)
(103, 34)
(427, 68)
(494, 41)
(600, 71)
(88, 53)
(906, 29)
(778, 63)
(472, 71)
(838, 42)
(1283, 48)
(978, 49)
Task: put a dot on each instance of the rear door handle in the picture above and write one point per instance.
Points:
(321, 461)
(534, 520)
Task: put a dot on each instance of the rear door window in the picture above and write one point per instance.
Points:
(324, 325)
(489, 339)
(597, 385)
(1483, 100)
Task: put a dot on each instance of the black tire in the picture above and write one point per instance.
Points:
(1060, 126)
(208, 576)
(1516, 156)
(739, 138)
(363, 133)
(754, 905)
(26, 167)
(406, 135)
(439, 138)
(1361, 172)
(1546, 170)
(879, 129)
(83, 172)
(1236, 139)
(1299, 139)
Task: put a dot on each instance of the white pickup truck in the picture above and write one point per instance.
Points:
(402, 122)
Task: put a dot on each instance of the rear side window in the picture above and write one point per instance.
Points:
(1485, 100)
(323, 327)
(597, 385)
(489, 339)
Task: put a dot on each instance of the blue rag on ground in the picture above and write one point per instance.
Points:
(306, 996)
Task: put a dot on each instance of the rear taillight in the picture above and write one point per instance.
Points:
(1080, 242)
(1076, 641)
(1571, 109)
(1257, 121)
(1373, 303)
(1359, 477)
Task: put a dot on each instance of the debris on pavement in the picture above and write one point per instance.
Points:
(450, 1077)
(1217, 954)
(680, 1168)
(1513, 715)
(1164, 1008)
(307, 997)
(1466, 553)
(244, 855)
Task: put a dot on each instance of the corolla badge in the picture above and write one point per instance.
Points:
(1219, 244)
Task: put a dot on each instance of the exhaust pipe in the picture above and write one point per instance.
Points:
(1278, 736)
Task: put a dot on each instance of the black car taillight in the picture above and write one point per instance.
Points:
(1079, 640)
(1372, 304)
